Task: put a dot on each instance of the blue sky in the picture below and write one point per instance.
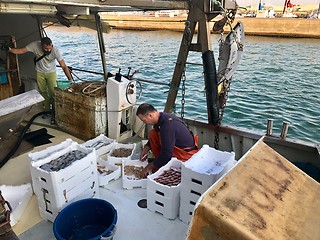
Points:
(275, 2)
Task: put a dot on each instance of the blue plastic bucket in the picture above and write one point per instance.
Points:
(87, 219)
(63, 84)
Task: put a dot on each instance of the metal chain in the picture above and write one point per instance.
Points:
(183, 91)
(230, 16)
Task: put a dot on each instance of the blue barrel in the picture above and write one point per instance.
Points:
(3, 75)
(87, 219)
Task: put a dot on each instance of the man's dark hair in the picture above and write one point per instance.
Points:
(145, 108)
(46, 41)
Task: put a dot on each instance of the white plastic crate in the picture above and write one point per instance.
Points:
(130, 182)
(168, 207)
(104, 176)
(188, 200)
(186, 209)
(50, 152)
(164, 190)
(194, 183)
(118, 160)
(206, 166)
(60, 187)
(50, 212)
(185, 216)
(187, 193)
(101, 144)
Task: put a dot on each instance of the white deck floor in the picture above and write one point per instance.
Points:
(133, 223)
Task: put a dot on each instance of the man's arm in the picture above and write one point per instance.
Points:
(18, 50)
(66, 70)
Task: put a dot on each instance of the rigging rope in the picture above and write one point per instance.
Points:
(183, 92)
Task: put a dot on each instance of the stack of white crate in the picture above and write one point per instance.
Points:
(57, 189)
(162, 198)
(199, 173)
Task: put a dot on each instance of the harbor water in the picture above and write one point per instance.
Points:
(277, 78)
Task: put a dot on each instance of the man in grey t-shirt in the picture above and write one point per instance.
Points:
(45, 56)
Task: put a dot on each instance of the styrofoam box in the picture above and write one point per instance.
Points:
(185, 216)
(188, 200)
(193, 184)
(104, 178)
(45, 203)
(207, 166)
(66, 184)
(18, 197)
(50, 212)
(50, 152)
(187, 193)
(160, 189)
(118, 160)
(187, 207)
(129, 182)
(168, 207)
(101, 143)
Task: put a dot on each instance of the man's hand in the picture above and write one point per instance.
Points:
(144, 153)
(145, 171)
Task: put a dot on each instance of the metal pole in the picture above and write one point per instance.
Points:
(269, 127)
(284, 131)
(101, 46)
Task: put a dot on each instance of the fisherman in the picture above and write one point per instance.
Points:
(44, 60)
(170, 137)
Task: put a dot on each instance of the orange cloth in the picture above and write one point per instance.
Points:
(180, 153)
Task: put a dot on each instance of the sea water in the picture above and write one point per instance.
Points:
(277, 78)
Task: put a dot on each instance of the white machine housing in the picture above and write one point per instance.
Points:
(121, 97)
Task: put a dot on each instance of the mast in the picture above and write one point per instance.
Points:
(201, 12)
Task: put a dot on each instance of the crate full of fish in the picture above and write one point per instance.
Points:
(107, 172)
(205, 167)
(163, 189)
(60, 179)
(120, 152)
(50, 152)
(166, 181)
(131, 174)
(101, 144)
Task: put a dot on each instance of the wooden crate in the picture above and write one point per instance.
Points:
(80, 115)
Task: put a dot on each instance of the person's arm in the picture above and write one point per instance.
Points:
(66, 70)
(18, 50)
(144, 153)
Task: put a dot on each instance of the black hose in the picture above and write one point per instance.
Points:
(210, 77)
(16, 146)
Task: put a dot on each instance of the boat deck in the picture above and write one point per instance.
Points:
(133, 222)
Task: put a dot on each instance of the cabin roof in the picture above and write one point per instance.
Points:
(88, 6)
